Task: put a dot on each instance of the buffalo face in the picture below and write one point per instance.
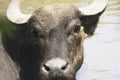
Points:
(58, 35)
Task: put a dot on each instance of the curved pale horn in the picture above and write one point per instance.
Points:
(14, 14)
(96, 7)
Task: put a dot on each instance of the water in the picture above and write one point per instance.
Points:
(102, 51)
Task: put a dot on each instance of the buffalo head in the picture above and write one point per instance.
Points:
(53, 37)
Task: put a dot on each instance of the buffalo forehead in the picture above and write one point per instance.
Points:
(62, 10)
(55, 15)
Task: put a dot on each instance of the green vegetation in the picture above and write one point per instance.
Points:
(30, 5)
(5, 25)
(46, 2)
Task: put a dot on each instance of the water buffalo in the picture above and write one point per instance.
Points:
(48, 44)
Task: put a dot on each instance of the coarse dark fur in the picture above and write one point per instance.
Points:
(52, 31)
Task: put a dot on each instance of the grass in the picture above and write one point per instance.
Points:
(38, 3)
(46, 2)
(34, 4)
(5, 25)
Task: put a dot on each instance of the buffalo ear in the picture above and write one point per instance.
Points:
(89, 22)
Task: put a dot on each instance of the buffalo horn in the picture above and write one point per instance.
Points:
(14, 14)
(96, 7)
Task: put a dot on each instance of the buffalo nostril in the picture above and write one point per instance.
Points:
(46, 68)
(64, 67)
(55, 64)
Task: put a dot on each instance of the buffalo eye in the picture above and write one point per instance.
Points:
(33, 32)
(77, 29)
(37, 33)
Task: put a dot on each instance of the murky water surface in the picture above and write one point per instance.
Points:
(102, 51)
